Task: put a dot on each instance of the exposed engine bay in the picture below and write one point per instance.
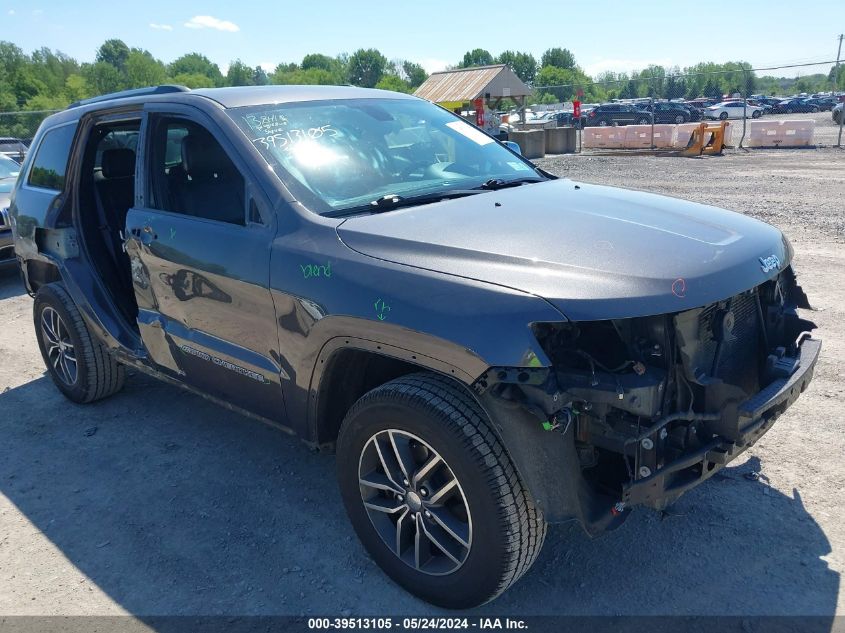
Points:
(657, 404)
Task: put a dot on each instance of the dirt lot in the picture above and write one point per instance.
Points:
(157, 502)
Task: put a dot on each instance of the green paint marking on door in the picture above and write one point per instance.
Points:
(314, 270)
(382, 309)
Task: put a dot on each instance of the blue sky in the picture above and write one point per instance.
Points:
(435, 33)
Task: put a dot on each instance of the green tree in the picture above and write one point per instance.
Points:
(296, 76)
(564, 84)
(394, 83)
(259, 77)
(103, 78)
(142, 69)
(415, 74)
(476, 57)
(114, 52)
(12, 58)
(524, 65)
(318, 60)
(239, 74)
(193, 80)
(366, 67)
(76, 88)
(556, 81)
(196, 64)
(559, 58)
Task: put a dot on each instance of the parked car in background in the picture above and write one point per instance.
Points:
(769, 101)
(669, 112)
(617, 114)
(836, 113)
(767, 108)
(733, 110)
(701, 103)
(14, 148)
(9, 171)
(792, 106)
(825, 104)
(562, 119)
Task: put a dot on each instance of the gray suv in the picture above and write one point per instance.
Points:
(487, 348)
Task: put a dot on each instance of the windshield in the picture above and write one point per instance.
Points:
(341, 155)
(8, 168)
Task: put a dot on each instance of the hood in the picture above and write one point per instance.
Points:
(594, 252)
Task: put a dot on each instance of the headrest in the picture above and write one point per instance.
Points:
(202, 156)
(118, 163)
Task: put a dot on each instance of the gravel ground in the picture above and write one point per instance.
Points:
(156, 502)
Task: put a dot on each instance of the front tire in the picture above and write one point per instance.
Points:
(755, 114)
(643, 121)
(80, 366)
(463, 528)
(723, 116)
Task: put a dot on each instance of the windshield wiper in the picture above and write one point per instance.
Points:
(499, 183)
(394, 201)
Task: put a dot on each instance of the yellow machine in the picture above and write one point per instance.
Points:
(707, 138)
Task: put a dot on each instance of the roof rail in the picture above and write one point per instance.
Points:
(135, 92)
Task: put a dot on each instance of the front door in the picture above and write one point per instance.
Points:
(199, 249)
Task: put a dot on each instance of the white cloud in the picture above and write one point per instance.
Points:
(623, 65)
(433, 65)
(11, 12)
(160, 27)
(268, 66)
(210, 22)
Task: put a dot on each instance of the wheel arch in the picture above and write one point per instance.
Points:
(37, 273)
(347, 367)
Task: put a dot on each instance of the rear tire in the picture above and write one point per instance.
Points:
(501, 531)
(80, 366)
(755, 114)
(723, 116)
(643, 121)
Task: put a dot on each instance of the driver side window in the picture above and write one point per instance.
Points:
(193, 175)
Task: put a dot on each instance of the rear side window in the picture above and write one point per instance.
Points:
(50, 164)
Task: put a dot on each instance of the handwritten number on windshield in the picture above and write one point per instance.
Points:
(286, 140)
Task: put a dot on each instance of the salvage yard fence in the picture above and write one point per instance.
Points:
(659, 110)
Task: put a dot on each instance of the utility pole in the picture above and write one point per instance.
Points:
(836, 87)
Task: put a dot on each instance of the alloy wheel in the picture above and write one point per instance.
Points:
(415, 502)
(59, 346)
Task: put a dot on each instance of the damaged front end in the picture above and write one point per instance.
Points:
(652, 406)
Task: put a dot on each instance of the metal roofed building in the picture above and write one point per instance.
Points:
(454, 89)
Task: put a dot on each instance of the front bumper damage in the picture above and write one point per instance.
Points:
(640, 420)
(755, 417)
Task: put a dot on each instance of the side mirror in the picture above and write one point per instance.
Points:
(514, 147)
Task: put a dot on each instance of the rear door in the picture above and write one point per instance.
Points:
(199, 244)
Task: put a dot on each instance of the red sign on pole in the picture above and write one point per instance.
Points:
(576, 109)
(479, 112)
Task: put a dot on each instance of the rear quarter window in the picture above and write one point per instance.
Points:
(50, 164)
